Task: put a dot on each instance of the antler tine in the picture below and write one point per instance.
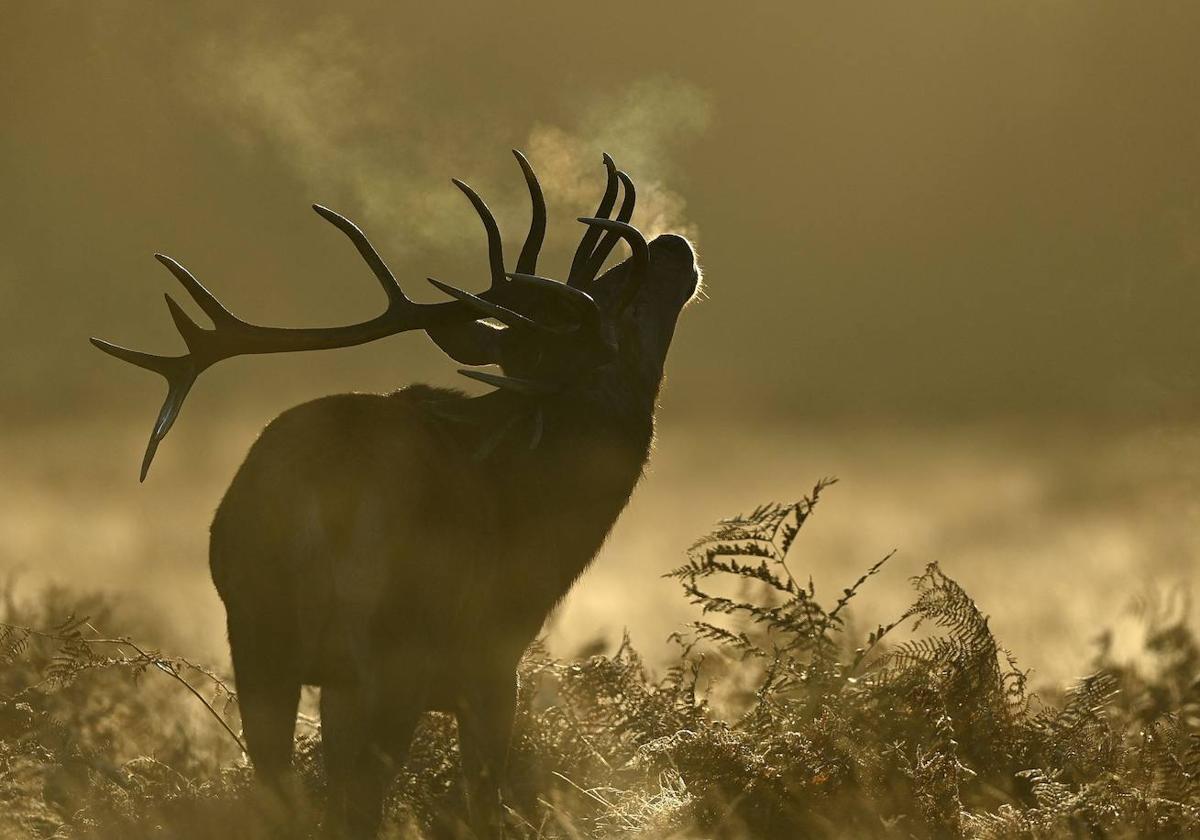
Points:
(487, 309)
(495, 243)
(628, 201)
(180, 373)
(527, 387)
(527, 261)
(640, 253)
(205, 299)
(378, 267)
(577, 277)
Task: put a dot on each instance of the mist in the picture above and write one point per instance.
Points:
(946, 246)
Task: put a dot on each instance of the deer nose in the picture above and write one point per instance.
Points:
(674, 256)
(674, 250)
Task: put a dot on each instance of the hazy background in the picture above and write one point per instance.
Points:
(952, 253)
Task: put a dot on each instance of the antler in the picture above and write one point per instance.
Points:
(231, 336)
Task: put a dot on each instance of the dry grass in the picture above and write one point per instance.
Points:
(777, 717)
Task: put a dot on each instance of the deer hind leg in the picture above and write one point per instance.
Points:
(485, 721)
(365, 735)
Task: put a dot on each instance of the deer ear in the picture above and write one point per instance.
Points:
(472, 343)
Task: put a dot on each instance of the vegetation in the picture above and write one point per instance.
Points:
(776, 720)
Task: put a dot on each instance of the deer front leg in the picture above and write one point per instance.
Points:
(366, 739)
(485, 721)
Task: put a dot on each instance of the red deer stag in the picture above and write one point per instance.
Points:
(402, 550)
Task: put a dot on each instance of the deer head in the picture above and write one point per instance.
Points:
(549, 338)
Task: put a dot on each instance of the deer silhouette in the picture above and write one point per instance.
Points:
(402, 550)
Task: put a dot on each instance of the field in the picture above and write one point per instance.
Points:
(811, 687)
(944, 253)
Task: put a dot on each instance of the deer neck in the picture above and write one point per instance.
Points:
(573, 458)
